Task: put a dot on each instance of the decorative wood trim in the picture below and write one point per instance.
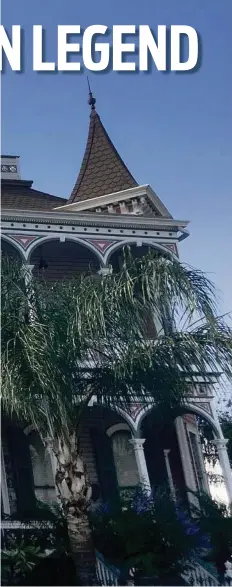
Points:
(100, 245)
(117, 428)
(23, 239)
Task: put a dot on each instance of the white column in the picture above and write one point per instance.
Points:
(111, 209)
(53, 464)
(135, 206)
(221, 443)
(189, 476)
(137, 444)
(169, 472)
(27, 272)
(123, 208)
(185, 456)
(4, 488)
(28, 276)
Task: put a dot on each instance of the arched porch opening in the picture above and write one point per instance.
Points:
(18, 469)
(153, 324)
(54, 260)
(187, 453)
(206, 451)
(107, 452)
(27, 469)
(116, 258)
(10, 251)
(162, 453)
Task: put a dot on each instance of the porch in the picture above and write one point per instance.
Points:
(109, 575)
(121, 449)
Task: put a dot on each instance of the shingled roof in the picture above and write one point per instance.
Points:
(102, 171)
(19, 195)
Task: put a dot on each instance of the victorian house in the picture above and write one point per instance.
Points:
(56, 237)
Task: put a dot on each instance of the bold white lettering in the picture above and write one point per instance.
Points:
(64, 47)
(148, 43)
(38, 63)
(176, 32)
(12, 49)
(103, 48)
(120, 47)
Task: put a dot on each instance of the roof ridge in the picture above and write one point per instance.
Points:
(84, 164)
(47, 194)
(116, 152)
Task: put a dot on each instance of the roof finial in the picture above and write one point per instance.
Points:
(92, 100)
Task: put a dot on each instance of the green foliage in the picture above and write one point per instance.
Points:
(155, 536)
(64, 343)
(24, 550)
(159, 538)
(85, 337)
(18, 560)
(215, 520)
(209, 449)
(14, 302)
(50, 531)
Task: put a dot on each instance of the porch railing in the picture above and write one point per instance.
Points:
(9, 526)
(26, 525)
(197, 575)
(106, 574)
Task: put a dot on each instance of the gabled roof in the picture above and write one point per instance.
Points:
(102, 171)
(19, 195)
(140, 200)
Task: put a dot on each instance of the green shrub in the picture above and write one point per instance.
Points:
(152, 534)
(18, 560)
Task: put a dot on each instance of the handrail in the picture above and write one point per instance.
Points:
(107, 574)
(26, 525)
(198, 575)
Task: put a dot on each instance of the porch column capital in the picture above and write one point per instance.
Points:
(137, 443)
(27, 267)
(166, 451)
(105, 271)
(220, 443)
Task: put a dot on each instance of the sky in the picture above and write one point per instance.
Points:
(173, 130)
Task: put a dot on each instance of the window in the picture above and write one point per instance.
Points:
(124, 458)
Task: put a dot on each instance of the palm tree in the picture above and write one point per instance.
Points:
(65, 343)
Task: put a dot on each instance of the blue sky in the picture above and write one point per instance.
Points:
(172, 130)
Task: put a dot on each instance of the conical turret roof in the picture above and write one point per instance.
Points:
(102, 170)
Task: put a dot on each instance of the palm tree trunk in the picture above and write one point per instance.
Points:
(75, 493)
(82, 550)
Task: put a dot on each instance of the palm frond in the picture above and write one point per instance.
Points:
(88, 337)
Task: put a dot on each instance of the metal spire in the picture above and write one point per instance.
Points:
(91, 100)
